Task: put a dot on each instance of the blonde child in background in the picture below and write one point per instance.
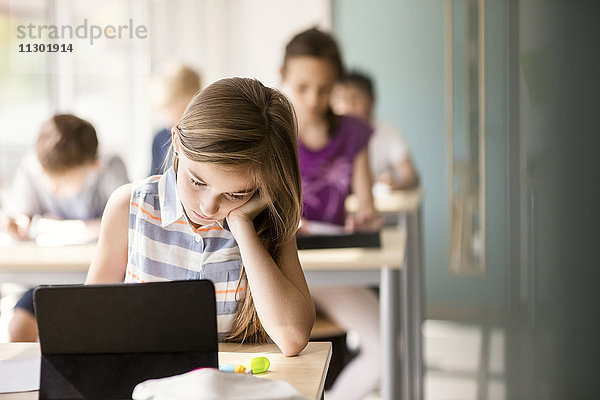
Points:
(227, 210)
(175, 86)
(334, 160)
(390, 159)
(58, 196)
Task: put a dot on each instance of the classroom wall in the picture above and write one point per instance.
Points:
(402, 45)
(248, 37)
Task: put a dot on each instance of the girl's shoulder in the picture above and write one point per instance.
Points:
(120, 198)
(155, 194)
(146, 186)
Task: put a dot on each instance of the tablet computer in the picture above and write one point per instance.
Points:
(334, 241)
(99, 341)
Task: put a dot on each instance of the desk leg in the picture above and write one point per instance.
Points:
(412, 295)
(389, 301)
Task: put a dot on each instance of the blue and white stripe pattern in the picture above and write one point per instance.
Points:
(164, 246)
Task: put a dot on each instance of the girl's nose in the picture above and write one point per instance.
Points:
(210, 206)
(312, 98)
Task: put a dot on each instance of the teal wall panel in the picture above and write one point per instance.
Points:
(401, 44)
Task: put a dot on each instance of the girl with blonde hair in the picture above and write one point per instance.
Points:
(227, 210)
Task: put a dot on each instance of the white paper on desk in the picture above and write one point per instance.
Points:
(322, 228)
(7, 240)
(212, 384)
(50, 232)
(20, 375)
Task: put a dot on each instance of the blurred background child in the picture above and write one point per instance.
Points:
(332, 149)
(58, 195)
(175, 87)
(334, 160)
(389, 156)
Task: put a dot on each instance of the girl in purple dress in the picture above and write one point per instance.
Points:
(332, 149)
(334, 161)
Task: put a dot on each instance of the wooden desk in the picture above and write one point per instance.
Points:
(406, 206)
(30, 264)
(369, 267)
(394, 202)
(305, 372)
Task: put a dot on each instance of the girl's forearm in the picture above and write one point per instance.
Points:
(284, 311)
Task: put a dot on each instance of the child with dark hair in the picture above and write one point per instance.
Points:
(334, 160)
(59, 191)
(332, 148)
(389, 157)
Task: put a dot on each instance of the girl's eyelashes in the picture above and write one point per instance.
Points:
(236, 196)
(197, 183)
(229, 195)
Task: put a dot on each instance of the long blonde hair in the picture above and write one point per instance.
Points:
(238, 122)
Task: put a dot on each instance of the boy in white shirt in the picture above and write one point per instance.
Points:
(389, 157)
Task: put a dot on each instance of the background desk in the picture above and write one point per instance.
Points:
(381, 267)
(30, 264)
(406, 205)
(394, 202)
(305, 372)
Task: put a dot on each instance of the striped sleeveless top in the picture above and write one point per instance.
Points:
(164, 246)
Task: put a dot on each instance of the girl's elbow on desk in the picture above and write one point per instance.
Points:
(292, 347)
(293, 340)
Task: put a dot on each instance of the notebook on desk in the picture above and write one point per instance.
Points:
(99, 341)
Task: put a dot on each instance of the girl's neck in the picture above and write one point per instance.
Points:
(314, 135)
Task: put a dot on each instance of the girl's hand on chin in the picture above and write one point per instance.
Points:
(247, 211)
